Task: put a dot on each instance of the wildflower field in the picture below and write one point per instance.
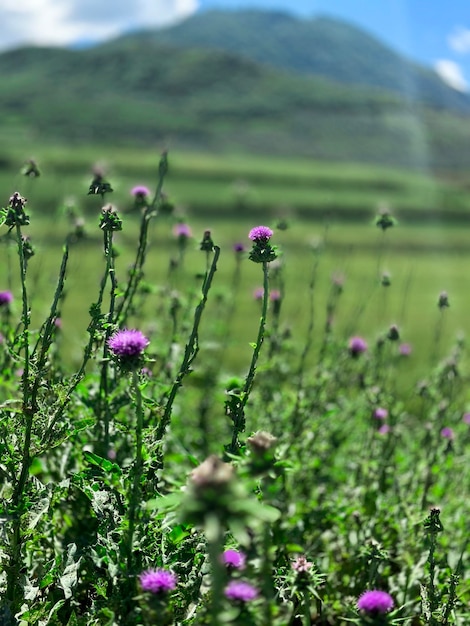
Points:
(224, 421)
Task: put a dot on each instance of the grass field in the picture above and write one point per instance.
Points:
(218, 185)
(141, 444)
(329, 213)
(422, 262)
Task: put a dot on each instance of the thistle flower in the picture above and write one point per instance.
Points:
(128, 345)
(405, 349)
(207, 243)
(6, 297)
(386, 280)
(447, 433)
(258, 293)
(357, 345)
(301, 565)
(375, 602)
(380, 413)
(443, 301)
(158, 581)
(262, 251)
(212, 473)
(110, 220)
(182, 231)
(466, 418)
(233, 559)
(261, 442)
(140, 192)
(15, 213)
(260, 233)
(238, 248)
(240, 591)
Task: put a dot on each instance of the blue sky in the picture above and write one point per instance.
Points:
(433, 32)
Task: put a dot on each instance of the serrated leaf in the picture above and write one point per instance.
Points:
(68, 578)
(102, 463)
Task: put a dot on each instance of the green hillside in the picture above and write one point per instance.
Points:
(322, 47)
(139, 91)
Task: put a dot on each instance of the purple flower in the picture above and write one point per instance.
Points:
(157, 581)
(260, 233)
(233, 559)
(466, 418)
(182, 231)
(357, 345)
(128, 344)
(6, 297)
(375, 601)
(238, 248)
(240, 591)
(405, 349)
(447, 433)
(380, 413)
(275, 295)
(258, 293)
(140, 192)
(384, 429)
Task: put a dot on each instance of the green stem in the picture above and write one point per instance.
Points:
(124, 307)
(14, 590)
(135, 494)
(239, 416)
(214, 536)
(192, 347)
(306, 608)
(110, 271)
(93, 326)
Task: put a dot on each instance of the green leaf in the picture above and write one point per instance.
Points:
(68, 578)
(104, 464)
(179, 533)
(165, 503)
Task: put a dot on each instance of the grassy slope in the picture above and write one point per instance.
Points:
(204, 184)
(133, 92)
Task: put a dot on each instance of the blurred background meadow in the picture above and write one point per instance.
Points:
(330, 116)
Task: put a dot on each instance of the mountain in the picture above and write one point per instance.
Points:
(141, 90)
(321, 46)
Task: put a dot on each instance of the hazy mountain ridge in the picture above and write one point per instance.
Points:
(138, 89)
(321, 46)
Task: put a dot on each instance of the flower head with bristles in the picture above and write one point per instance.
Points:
(157, 581)
(375, 602)
(262, 251)
(127, 346)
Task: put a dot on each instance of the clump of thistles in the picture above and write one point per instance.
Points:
(158, 581)
(375, 602)
(128, 345)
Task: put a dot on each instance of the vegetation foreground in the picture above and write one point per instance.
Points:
(147, 488)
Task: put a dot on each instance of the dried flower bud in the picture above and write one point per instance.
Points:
(212, 473)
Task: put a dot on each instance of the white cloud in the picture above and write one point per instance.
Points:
(459, 40)
(451, 73)
(61, 22)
